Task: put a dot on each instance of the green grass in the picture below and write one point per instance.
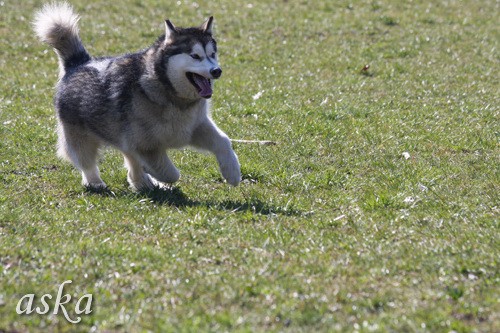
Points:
(334, 228)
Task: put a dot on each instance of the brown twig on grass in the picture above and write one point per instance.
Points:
(260, 142)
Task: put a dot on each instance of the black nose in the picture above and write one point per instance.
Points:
(216, 72)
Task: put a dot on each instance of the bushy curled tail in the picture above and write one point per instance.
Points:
(57, 25)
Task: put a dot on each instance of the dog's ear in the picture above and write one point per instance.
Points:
(207, 26)
(170, 31)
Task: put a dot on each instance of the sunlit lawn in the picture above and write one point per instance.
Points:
(376, 210)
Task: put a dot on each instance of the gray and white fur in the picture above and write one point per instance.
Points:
(142, 103)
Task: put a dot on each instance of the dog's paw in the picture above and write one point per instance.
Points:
(167, 173)
(169, 177)
(95, 186)
(143, 184)
(230, 169)
(92, 181)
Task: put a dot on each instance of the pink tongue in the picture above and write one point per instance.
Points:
(204, 84)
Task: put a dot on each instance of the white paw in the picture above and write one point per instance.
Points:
(170, 177)
(144, 183)
(95, 186)
(92, 180)
(230, 168)
(147, 183)
(168, 174)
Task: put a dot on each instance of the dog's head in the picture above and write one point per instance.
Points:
(190, 60)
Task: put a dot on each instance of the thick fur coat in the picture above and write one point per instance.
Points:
(142, 103)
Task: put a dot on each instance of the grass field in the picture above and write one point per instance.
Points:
(376, 211)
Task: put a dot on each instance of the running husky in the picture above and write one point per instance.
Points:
(141, 103)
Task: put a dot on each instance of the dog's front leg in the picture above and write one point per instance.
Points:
(209, 137)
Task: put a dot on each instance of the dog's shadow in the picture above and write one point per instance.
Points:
(175, 197)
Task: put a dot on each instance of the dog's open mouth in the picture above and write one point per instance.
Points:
(202, 84)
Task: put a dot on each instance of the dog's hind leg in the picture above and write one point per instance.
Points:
(138, 179)
(81, 149)
(147, 170)
(158, 165)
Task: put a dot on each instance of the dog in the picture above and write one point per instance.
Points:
(141, 103)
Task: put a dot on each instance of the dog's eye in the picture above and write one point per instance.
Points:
(195, 56)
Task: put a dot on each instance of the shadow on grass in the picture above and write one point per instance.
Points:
(176, 198)
(169, 196)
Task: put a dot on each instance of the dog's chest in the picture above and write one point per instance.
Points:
(166, 127)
